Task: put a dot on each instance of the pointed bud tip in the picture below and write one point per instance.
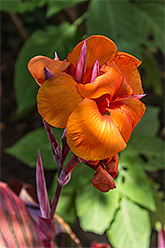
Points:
(48, 73)
(84, 45)
(56, 57)
(39, 162)
(139, 96)
(95, 72)
(64, 178)
(81, 63)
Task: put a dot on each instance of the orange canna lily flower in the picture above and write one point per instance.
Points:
(94, 94)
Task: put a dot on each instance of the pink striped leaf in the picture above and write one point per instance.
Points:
(17, 228)
(18, 221)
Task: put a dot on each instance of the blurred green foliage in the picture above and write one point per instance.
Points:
(137, 27)
(41, 42)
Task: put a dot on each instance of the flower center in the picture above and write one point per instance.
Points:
(103, 102)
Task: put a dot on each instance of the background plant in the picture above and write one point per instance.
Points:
(135, 207)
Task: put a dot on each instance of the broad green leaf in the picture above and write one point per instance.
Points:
(150, 147)
(152, 74)
(144, 143)
(26, 149)
(133, 182)
(158, 216)
(115, 19)
(129, 24)
(95, 209)
(42, 42)
(131, 227)
(19, 6)
(80, 177)
(149, 125)
(150, 23)
(54, 7)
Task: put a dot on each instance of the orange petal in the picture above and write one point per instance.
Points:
(122, 121)
(57, 98)
(128, 68)
(136, 61)
(98, 48)
(105, 84)
(126, 113)
(90, 135)
(36, 67)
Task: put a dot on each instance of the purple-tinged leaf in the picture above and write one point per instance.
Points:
(17, 228)
(41, 189)
(56, 149)
(46, 231)
(139, 96)
(48, 73)
(15, 221)
(81, 64)
(65, 147)
(56, 57)
(95, 72)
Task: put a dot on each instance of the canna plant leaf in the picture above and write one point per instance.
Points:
(149, 124)
(150, 16)
(133, 182)
(118, 19)
(26, 148)
(18, 222)
(44, 42)
(17, 228)
(101, 212)
(53, 7)
(152, 74)
(145, 144)
(131, 227)
(19, 6)
(41, 189)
